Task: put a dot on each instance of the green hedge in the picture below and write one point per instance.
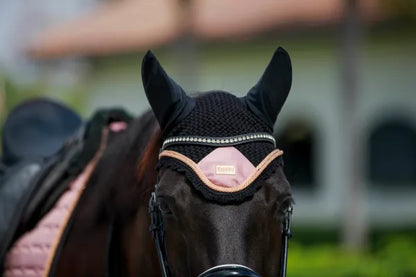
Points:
(395, 256)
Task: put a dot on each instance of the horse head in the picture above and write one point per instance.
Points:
(220, 202)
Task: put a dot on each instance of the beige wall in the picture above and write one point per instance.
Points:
(387, 86)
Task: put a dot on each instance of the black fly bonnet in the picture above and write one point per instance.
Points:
(223, 144)
(219, 145)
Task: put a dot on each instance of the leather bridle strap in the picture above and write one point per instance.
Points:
(286, 235)
(156, 228)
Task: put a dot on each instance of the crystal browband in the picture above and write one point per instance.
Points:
(219, 141)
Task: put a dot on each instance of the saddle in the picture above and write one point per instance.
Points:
(45, 146)
(37, 129)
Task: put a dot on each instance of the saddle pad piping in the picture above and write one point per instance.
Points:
(250, 179)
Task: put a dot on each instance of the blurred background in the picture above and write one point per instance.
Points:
(348, 128)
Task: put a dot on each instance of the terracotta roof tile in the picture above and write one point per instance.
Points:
(133, 25)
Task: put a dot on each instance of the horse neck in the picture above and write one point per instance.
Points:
(112, 219)
(137, 241)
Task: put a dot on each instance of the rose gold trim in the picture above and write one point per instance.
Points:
(257, 171)
(88, 171)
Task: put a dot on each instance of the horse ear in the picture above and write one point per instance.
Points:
(267, 97)
(168, 100)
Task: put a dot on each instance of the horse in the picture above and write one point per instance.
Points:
(202, 173)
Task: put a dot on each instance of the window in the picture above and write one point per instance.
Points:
(297, 140)
(392, 153)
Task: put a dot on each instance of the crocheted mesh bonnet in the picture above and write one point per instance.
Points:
(220, 114)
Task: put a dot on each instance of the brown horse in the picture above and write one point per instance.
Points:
(224, 220)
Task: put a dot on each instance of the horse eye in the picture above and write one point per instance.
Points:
(280, 208)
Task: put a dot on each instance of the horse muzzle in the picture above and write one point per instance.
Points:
(227, 270)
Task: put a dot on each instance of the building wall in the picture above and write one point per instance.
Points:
(387, 89)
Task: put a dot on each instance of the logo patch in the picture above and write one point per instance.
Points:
(225, 170)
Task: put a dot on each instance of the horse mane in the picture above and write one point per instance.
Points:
(126, 174)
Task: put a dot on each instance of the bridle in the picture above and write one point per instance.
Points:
(157, 227)
(157, 230)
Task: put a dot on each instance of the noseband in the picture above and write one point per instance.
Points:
(157, 228)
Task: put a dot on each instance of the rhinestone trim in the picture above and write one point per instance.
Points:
(219, 141)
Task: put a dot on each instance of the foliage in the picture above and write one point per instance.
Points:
(393, 257)
(402, 10)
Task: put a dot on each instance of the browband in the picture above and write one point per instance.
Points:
(219, 141)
